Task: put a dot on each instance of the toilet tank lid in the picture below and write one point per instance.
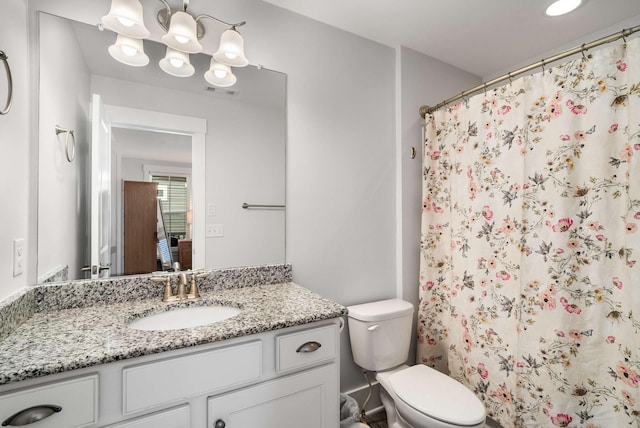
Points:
(380, 310)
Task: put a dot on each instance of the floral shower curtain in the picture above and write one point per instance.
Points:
(530, 281)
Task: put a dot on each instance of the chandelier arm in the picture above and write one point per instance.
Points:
(167, 6)
(199, 17)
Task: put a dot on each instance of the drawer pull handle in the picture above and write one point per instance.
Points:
(219, 424)
(309, 347)
(31, 415)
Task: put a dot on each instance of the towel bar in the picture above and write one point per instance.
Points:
(7, 107)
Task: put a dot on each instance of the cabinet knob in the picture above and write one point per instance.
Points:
(219, 424)
(31, 415)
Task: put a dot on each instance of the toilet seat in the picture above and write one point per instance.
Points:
(423, 391)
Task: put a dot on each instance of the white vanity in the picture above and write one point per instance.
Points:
(275, 365)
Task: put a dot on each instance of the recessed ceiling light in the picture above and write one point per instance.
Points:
(560, 7)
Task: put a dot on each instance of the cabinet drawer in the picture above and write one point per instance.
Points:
(175, 418)
(78, 399)
(168, 381)
(291, 352)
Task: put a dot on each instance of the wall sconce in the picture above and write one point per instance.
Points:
(183, 32)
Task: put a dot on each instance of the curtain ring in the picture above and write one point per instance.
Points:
(584, 57)
(543, 63)
(70, 149)
(510, 78)
(7, 107)
(484, 88)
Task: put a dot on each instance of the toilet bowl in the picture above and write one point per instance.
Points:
(413, 396)
(421, 397)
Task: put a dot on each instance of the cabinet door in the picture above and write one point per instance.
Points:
(309, 399)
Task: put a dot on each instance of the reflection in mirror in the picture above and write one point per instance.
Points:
(168, 165)
(241, 158)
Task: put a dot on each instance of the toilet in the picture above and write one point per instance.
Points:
(416, 396)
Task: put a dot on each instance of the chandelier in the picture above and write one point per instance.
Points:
(182, 34)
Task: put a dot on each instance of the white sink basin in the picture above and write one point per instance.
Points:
(175, 319)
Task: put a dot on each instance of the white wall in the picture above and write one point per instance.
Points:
(15, 182)
(64, 101)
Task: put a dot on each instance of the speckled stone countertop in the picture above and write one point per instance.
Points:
(57, 340)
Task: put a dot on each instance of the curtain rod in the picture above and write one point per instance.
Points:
(425, 110)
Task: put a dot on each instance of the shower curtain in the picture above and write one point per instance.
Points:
(529, 276)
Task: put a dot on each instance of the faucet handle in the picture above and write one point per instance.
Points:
(168, 293)
(200, 274)
(194, 291)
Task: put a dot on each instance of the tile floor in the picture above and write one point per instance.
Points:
(377, 420)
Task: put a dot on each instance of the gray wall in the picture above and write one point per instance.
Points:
(64, 101)
(18, 214)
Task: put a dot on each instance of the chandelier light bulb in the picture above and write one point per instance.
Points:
(182, 34)
(181, 39)
(231, 49)
(126, 21)
(129, 51)
(125, 17)
(176, 63)
(220, 75)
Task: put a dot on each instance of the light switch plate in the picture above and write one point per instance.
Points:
(214, 231)
(18, 256)
(211, 210)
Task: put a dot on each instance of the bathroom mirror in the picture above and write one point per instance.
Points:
(240, 160)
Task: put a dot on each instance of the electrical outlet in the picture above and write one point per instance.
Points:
(214, 231)
(18, 256)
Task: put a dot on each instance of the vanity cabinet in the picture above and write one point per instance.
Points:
(306, 399)
(284, 378)
(174, 418)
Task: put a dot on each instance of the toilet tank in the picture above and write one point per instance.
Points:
(380, 333)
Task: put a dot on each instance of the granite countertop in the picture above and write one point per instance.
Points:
(58, 340)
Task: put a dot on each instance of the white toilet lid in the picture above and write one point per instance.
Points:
(437, 395)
